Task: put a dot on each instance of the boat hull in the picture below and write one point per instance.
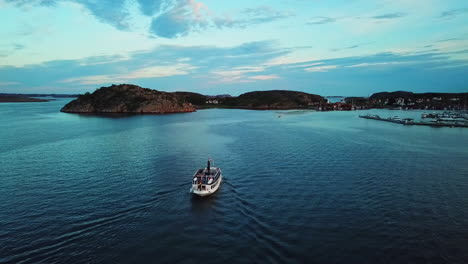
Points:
(208, 188)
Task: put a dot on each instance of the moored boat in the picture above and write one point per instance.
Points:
(206, 181)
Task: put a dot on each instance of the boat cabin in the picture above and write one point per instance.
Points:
(206, 176)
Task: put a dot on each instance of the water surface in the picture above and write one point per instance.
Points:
(305, 187)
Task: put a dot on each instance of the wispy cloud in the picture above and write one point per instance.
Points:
(251, 16)
(390, 15)
(301, 65)
(324, 68)
(113, 12)
(149, 72)
(18, 46)
(366, 64)
(355, 46)
(347, 48)
(264, 77)
(449, 39)
(454, 13)
(237, 74)
(321, 20)
(8, 83)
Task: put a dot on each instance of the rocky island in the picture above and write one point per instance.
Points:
(274, 100)
(127, 98)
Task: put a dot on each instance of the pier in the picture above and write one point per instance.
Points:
(411, 122)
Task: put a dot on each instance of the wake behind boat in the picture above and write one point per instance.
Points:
(206, 181)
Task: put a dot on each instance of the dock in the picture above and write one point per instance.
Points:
(411, 122)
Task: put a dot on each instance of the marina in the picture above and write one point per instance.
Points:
(437, 120)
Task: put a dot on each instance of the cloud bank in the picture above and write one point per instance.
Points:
(169, 18)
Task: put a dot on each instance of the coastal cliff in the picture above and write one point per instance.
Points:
(127, 98)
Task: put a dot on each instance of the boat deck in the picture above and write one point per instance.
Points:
(203, 172)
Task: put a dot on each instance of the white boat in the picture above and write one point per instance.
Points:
(206, 181)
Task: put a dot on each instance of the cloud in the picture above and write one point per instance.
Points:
(166, 65)
(142, 73)
(234, 75)
(390, 15)
(241, 75)
(347, 48)
(449, 39)
(251, 16)
(264, 77)
(169, 18)
(453, 13)
(17, 46)
(321, 20)
(181, 19)
(8, 83)
(324, 68)
(171, 24)
(112, 12)
(150, 7)
(374, 64)
(190, 16)
(241, 68)
(32, 2)
(355, 46)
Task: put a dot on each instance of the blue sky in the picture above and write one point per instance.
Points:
(334, 47)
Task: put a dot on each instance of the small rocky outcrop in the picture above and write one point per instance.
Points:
(127, 98)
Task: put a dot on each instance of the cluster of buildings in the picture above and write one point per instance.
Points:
(429, 103)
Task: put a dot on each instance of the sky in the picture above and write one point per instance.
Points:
(326, 47)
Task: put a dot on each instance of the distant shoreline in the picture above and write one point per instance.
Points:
(31, 98)
(21, 99)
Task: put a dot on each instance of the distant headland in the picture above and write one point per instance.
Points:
(6, 98)
(26, 98)
(128, 98)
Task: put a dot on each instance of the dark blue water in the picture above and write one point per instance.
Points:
(304, 188)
